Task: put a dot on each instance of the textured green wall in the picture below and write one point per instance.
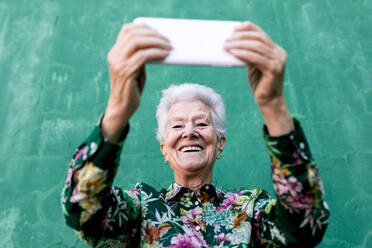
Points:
(54, 84)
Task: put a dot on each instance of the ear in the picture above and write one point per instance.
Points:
(163, 150)
(221, 144)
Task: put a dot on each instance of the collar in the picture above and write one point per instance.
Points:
(206, 193)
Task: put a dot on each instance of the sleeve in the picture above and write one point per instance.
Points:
(299, 216)
(99, 213)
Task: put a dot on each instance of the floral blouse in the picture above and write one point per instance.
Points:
(107, 216)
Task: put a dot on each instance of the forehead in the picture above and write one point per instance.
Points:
(189, 109)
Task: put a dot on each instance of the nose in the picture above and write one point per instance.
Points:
(189, 131)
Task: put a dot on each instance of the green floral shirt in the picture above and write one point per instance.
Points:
(107, 216)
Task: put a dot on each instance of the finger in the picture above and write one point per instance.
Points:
(145, 32)
(251, 57)
(130, 26)
(250, 35)
(248, 26)
(139, 32)
(122, 44)
(129, 41)
(140, 43)
(252, 45)
(150, 54)
(145, 55)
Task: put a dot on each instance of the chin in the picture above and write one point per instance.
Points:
(193, 166)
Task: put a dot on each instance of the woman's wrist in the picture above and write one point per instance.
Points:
(113, 124)
(277, 117)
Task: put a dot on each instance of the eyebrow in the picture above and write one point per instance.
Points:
(195, 117)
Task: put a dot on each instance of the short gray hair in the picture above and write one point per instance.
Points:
(191, 91)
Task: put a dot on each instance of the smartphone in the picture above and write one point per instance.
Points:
(195, 42)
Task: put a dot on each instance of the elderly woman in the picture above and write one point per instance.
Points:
(194, 212)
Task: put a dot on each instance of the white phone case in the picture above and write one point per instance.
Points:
(195, 42)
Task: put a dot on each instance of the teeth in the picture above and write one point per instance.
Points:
(190, 148)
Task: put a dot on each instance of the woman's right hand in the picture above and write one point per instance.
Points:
(135, 45)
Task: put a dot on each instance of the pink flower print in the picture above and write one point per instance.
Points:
(294, 186)
(106, 222)
(230, 198)
(68, 178)
(193, 216)
(182, 241)
(299, 157)
(283, 185)
(280, 183)
(194, 223)
(303, 201)
(223, 237)
(83, 152)
(194, 219)
(136, 191)
(280, 189)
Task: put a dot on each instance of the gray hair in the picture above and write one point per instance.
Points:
(190, 91)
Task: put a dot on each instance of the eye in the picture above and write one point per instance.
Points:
(202, 124)
(176, 126)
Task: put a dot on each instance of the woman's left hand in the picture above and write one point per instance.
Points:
(266, 63)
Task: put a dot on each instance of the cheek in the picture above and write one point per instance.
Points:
(212, 146)
(171, 139)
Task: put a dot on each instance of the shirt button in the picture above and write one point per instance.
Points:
(197, 228)
(196, 203)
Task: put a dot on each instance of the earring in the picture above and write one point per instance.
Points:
(166, 162)
(219, 155)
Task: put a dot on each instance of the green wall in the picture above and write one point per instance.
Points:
(54, 85)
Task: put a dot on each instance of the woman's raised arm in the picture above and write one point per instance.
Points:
(266, 63)
(99, 212)
(299, 215)
(135, 45)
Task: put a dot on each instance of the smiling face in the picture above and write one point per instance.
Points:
(191, 143)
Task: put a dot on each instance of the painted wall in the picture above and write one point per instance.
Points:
(54, 86)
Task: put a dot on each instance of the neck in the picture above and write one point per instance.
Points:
(193, 181)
